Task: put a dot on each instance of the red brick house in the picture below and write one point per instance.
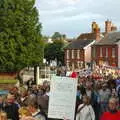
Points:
(78, 52)
(107, 51)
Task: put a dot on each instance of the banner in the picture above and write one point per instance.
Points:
(62, 98)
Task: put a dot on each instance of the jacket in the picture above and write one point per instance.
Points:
(86, 113)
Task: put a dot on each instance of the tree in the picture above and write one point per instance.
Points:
(54, 51)
(58, 36)
(20, 35)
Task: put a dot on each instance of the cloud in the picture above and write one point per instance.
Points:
(71, 2)
(67, 15)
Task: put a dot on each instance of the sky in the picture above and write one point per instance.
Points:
(73, 17)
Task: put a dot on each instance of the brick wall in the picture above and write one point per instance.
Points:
(112, 61)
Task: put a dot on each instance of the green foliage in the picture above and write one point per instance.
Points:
(20, 35)
(58, 36)
(54, 51)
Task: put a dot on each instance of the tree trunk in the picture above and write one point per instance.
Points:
(20, 76)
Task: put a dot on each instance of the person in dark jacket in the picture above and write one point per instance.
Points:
(11, 108)
(1, 103)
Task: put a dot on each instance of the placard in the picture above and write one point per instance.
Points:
(62, 98)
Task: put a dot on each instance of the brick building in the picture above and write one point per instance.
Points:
(78, 54)
(107, 51)
(82, 45)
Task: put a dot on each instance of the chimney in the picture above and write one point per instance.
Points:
(97, 33)
(96, 30)
(113, 28)
(108, 26)
(93, 27)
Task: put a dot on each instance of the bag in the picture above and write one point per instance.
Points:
(80, 108)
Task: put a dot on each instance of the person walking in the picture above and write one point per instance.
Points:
(85, 110)
(112, 113)
(36, 112)
(11, 108)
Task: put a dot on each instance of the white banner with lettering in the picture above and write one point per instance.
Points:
(62, 98)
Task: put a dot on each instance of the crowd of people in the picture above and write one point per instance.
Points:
(25, 103)
(99, 96)
(95, 100)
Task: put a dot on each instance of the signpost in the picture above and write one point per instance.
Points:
(62, 98)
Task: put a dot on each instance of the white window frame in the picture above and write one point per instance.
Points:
(113, 52)
(106, 52)
(101, 55)
(72, 54)
(78, 64)
(78, 54)
(68, 64)
(68, 54)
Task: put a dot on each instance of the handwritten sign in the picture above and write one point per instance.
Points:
(62, 98)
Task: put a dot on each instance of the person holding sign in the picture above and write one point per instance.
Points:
(85, 110)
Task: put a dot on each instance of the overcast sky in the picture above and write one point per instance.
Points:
(73, 17)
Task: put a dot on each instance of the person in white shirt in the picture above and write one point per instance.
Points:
(85, 110)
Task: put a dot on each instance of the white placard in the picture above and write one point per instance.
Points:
(62, 98)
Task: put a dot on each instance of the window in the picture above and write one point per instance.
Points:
(113, 52)
(72, 54)
(78, 54)
(94, 52)
(100, 51)
(68, 65)
(67, 54)
(106, 52)
(78, 64)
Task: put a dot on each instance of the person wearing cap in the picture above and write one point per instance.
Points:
(112, 113)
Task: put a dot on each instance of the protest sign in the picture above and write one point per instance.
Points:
(62, 98)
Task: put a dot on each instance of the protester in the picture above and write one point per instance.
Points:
(24, 114)
(95, 91)
(44, 100)
(1, 103)
(112, 113)
(34, 109)
(88, 89)
(95, 101)
(85, 110)
(105, 94)
(3, 115)
(23, 101)
(11, 108)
